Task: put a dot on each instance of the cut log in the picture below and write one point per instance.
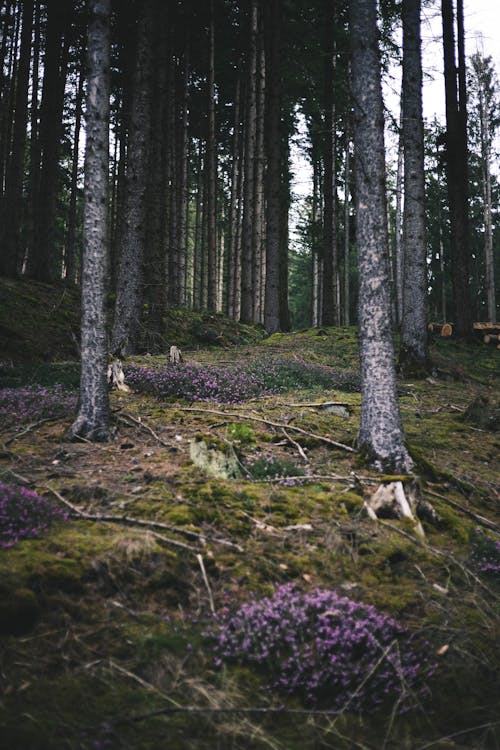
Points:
(441, 329)
(491, 338)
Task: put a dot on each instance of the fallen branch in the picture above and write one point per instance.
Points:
(141, 522)
(29, 428)
(296, 445)
(481, 520)
(268, 422)
(205, 581)
(143, 426)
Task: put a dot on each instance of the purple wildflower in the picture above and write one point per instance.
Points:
(24, 514)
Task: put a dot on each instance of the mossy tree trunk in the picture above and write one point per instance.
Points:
(381, 434)
(92, 422)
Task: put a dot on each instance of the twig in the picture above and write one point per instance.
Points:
(205, 580)
(29, 428)
(268, 422)
(226, 711)
(120, 520)
(17, 476)
(480, 519)
(296, 445)
(439, 553)
(488, 725)
(147, 524)
(143, 683)
(143, 426)
(318, 405)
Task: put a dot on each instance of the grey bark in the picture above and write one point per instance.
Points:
(246, 312)
(12, 203)
(129, 293)
(211, 164)
(273, 184)
(233, 206)
(347, 231)
(413, 354)
(381, 435)
(258, 222)
(398, 223)
(456, 167)
(92, 422)
(72, 266)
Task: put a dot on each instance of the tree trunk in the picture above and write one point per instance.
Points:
(381, 435)
(347, 231)
(129, 293)
(259, 217)
(330, 314)
(413, 354)
(273, 186)
(246, 313)
(456, 167)
(398, 222)
(71, 260)
(92, 422)
(11, 231)
(211, 164)
(233, 204)
(46, 263)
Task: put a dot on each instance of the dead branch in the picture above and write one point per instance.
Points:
(29, 428)
(141, 522)
(268, 422)
(297, 446)
(205, 581)
(143, 426)
(481, 520)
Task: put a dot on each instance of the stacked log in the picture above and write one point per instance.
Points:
(489, 333)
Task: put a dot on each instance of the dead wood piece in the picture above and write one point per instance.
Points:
(297, 446)
(175, 356)
(441, 329)
(397, 499)
(116, 377)
(143, 426)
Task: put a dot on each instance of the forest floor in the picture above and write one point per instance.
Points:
(104, 615)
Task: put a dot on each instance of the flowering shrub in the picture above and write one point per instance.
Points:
(486, 554)
(24, 514)
(233, 384)
(32, 403)
(323, 647)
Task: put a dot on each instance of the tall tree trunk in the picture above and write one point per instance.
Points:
(92, 422)
(72, 262)
(286, 179)
(259, 217)
(413, 348)
(46, 263)
(381, 434)
(129, 293)
(273, 153)
(155, 256)
(34, 149)
(8, 88)
(347, 230)
(330, 315)
(211, 163)
(398, 224)
(11, 229)
(233, 204)
(183, 181)
(480, 71)
(246, 313)
(456, 167)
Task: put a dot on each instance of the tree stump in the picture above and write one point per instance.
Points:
(175, 356)
(116, 377)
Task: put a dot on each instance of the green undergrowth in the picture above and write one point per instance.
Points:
(102, 623)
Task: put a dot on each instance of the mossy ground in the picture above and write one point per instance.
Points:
(102, 622)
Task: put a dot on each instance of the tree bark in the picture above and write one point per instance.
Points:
(413, 355)
(211, 164)
(273, 153)
(71, 260)
(246, 312)
(330, 313)
(456, 167)
(381, 435)
(92, 422)
(129, 293)
(11, 232)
